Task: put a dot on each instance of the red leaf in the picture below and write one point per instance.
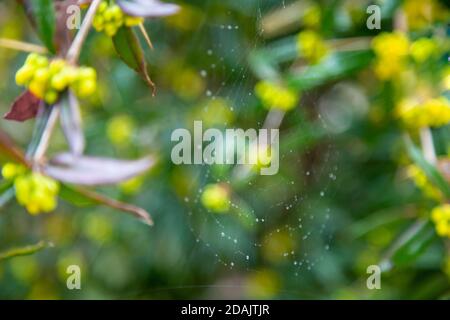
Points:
(25, 107)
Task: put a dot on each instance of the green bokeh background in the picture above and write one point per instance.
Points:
(338, 202)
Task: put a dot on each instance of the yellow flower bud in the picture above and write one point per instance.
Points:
(441, 218)
(423, 49)
(111, 30)
(37, 88)
(311, 46)
(56, 66)
(108, 14)
(36, 192)
(32, 59)
(87, 88)
(24, 75)
(41, 75)
(116, 12)
(12, 170)
(51, 97)
(41, 62)
(102, 7)
(98, 23)
(59, 81)
(87, 74)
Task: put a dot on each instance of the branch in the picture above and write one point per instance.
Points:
(42, 147)
(22, 46)
(77, 44)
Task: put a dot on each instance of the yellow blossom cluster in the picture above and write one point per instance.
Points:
(391, 50)
(311, 46)
(276, 96)
(431, 113)
(36, 192)
(422, 13)
(110, 18)
(46, 79)
(422, 49)
(441, 218)
(420, 179)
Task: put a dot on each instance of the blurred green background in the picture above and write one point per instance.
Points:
(341, 197)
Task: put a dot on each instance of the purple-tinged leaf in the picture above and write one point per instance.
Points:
(147, 8)
(25, 107)
(71, 122)
(92, 171)
(83, 197)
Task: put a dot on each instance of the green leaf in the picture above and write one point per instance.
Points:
(24, 251)
(336, 65)
(71, 195)
(85, 197)
(44, 16)
(431, 171)
(130, 51)
(410, 245)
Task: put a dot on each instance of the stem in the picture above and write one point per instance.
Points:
(426, 139)
(72, 57)
(146, 36)
(46, 135)
(75, 49)
(21, 46)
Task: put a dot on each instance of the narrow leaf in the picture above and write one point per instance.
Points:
(24, 251)
(431, 172)
(130, 51)
(409, 246)
(25, 107)
(337, 65)
(83, 197)
(71, 122)
(147, 8)
(92, 171)
(43, 13)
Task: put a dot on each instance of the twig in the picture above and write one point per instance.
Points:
(46, 135)
(72, 57)
(75, 49)
(22, 46)
(146, 36)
